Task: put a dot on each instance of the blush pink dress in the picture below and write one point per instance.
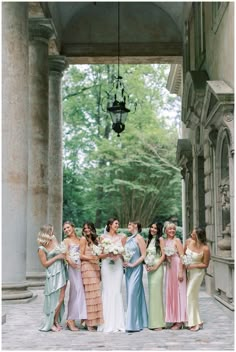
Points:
(176, 291)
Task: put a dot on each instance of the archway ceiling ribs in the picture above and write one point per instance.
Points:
(150, 31)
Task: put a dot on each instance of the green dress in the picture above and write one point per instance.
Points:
(156, 317)
(56, 277)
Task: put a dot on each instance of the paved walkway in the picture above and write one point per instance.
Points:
(20, 332)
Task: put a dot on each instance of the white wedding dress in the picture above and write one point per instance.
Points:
(113, 308)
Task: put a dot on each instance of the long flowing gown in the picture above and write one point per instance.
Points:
(77, 303)
(56, 277)
(156, 316)
(136, 315)
(195, 277)
(176, 295)
(92, 285)
(113, 308)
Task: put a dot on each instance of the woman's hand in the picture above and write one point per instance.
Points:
(180, 276)
(128, 265)
(61, 256)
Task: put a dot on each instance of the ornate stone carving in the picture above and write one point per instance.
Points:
(225, 243)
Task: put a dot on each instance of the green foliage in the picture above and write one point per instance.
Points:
(133, 177)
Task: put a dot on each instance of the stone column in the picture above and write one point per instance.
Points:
(39, 35)
(14, 149)
(57, 64)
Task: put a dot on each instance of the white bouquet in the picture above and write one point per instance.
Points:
(187, 259)
(75, 256)
(110, 247)
(127, 255)
(169, 251)
(150, 259)
(96, 249)
(61, 248)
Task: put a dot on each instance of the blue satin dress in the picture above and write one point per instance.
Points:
(136, 315)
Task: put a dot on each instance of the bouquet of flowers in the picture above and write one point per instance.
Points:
(110, 247)
(127, 255)
(150, 257)
(61, 248)
(96, 249)
(169, 251)
(187, 259)
(75, 256)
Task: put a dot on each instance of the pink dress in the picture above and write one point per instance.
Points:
(176, 291)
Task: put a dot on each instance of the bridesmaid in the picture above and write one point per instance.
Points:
(76, 304)
(156, 317)
(197, 248)
(56, 278)
(136, 315)
(91, 276)
(176, 305)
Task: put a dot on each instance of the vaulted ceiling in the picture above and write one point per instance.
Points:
(88, 31)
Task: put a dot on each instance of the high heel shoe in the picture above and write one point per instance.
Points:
(177, 326)
(200, 326)
(195, 328)
(71, 325)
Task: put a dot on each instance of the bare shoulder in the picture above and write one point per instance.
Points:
(82, 239)
(122, 235)
(162, 240)
(188, 241)
(177, 240)
(206, 249)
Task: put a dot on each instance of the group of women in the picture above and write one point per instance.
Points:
(95, 294)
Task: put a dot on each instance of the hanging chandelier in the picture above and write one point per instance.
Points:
(117, 97)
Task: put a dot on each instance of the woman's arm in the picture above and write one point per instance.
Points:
(205, 261)
(83, 243)
(142, 247)
(162, 257)
(180, 250)
(46, 263)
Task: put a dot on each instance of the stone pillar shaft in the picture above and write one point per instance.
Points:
(55, 171)
(39, 34)
(14, 147)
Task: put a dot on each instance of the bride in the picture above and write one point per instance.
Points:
(112, 276)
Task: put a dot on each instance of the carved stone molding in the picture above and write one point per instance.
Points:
(40, 29)
(193, 97)
(184, 151)
(57, 63)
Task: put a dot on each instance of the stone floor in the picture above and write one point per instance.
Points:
(20, 332)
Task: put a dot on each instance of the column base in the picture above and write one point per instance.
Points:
(35, 279)
(16, 292)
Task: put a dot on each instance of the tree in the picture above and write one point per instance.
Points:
(135, 176)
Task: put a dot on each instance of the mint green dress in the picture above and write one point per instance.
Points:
(56, 277)
(156, 316)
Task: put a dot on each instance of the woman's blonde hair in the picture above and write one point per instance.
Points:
(169, 224)
(45, 235)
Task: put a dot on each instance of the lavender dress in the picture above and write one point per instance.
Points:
(76, 304)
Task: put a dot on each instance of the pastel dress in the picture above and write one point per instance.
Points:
(136, 315)
(91, 275)
(76, 303)
(56, 277)
(156, 313)
(176, 291)
(112, 301)
(195, 277)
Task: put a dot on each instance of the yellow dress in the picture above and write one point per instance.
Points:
(195, 277)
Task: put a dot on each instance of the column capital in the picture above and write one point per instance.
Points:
(40, 29)
(57, 63)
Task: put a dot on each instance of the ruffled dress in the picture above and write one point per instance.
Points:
(56, 277)
(92, 285)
